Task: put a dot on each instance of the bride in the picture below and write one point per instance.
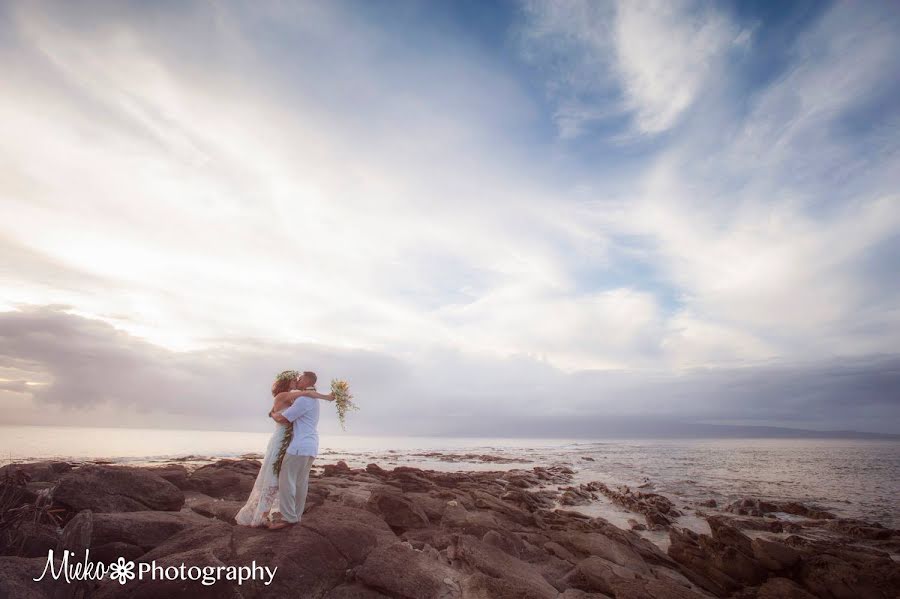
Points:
(263, 501)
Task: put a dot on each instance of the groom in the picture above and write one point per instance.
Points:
(293, 481)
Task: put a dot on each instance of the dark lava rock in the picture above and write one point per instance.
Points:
(782, 588)
(658, 510)
(143, 529)
(174, 473)
(758, 507)
(17, 576)
(398, 570)
(225, 479)
(35, 471)
(398, 511)
(220, 509)
(28, 539)
(492, 561)
(116, 489)
(411, 533)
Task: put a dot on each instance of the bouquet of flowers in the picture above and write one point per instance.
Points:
(343, 400)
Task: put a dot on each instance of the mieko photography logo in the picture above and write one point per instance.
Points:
(67, 567)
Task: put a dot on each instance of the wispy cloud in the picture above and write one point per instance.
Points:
(650, 61)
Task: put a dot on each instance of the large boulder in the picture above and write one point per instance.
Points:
(176, 474)
(830, 577)
(579, 594)
(35, 471)
(111, 552)
(28, 539)
(211, 536)
(226, 479)
(685, 548)
(774, 555)
(116, 489)
(731, 551)
(143, 529)
(725, 561)
(596, 574)
(17, 576)
(398, 570)
(506, 542)
(473, 522)
(308, 563)
(507, 509)
(782, 588)
(220, 509)
(76, 536)
(482, 586)
(648, 588)
(398, 511)
(472, 554)
(354, 591)
(353, 532)
(598, 544)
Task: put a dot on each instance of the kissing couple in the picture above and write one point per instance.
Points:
(279, 493)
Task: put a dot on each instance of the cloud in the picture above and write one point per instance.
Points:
(203, 192)
(650, 60)
(765, 215)
(214, 203)
(93, 374)
(14, 386)
(666, 52)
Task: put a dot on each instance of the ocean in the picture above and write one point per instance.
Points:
(853, 478)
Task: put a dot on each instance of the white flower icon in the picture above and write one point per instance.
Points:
(121, 570)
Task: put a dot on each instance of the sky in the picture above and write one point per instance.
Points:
(492, 218)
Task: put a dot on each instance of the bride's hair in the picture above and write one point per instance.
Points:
(280, 386)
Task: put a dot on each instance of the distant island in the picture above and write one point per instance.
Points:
(643, 428)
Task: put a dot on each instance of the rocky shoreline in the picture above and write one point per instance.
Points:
(413, 533)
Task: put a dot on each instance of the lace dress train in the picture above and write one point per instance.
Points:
(263, 499)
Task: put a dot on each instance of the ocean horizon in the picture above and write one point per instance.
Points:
(30, 442)
(857, 478)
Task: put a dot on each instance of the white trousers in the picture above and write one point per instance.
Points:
(293, 482)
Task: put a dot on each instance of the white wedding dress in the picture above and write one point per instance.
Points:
(263, 499)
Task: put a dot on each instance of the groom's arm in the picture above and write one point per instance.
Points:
(295, 411)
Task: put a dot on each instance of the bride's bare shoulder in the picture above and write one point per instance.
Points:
(283, 400)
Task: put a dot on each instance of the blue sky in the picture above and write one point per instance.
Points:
(614, 192)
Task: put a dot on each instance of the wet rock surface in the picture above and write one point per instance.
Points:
(758, 507)
(657, 509)
(469, 457)
(411, 533)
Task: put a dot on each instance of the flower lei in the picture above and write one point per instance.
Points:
(285, 442)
